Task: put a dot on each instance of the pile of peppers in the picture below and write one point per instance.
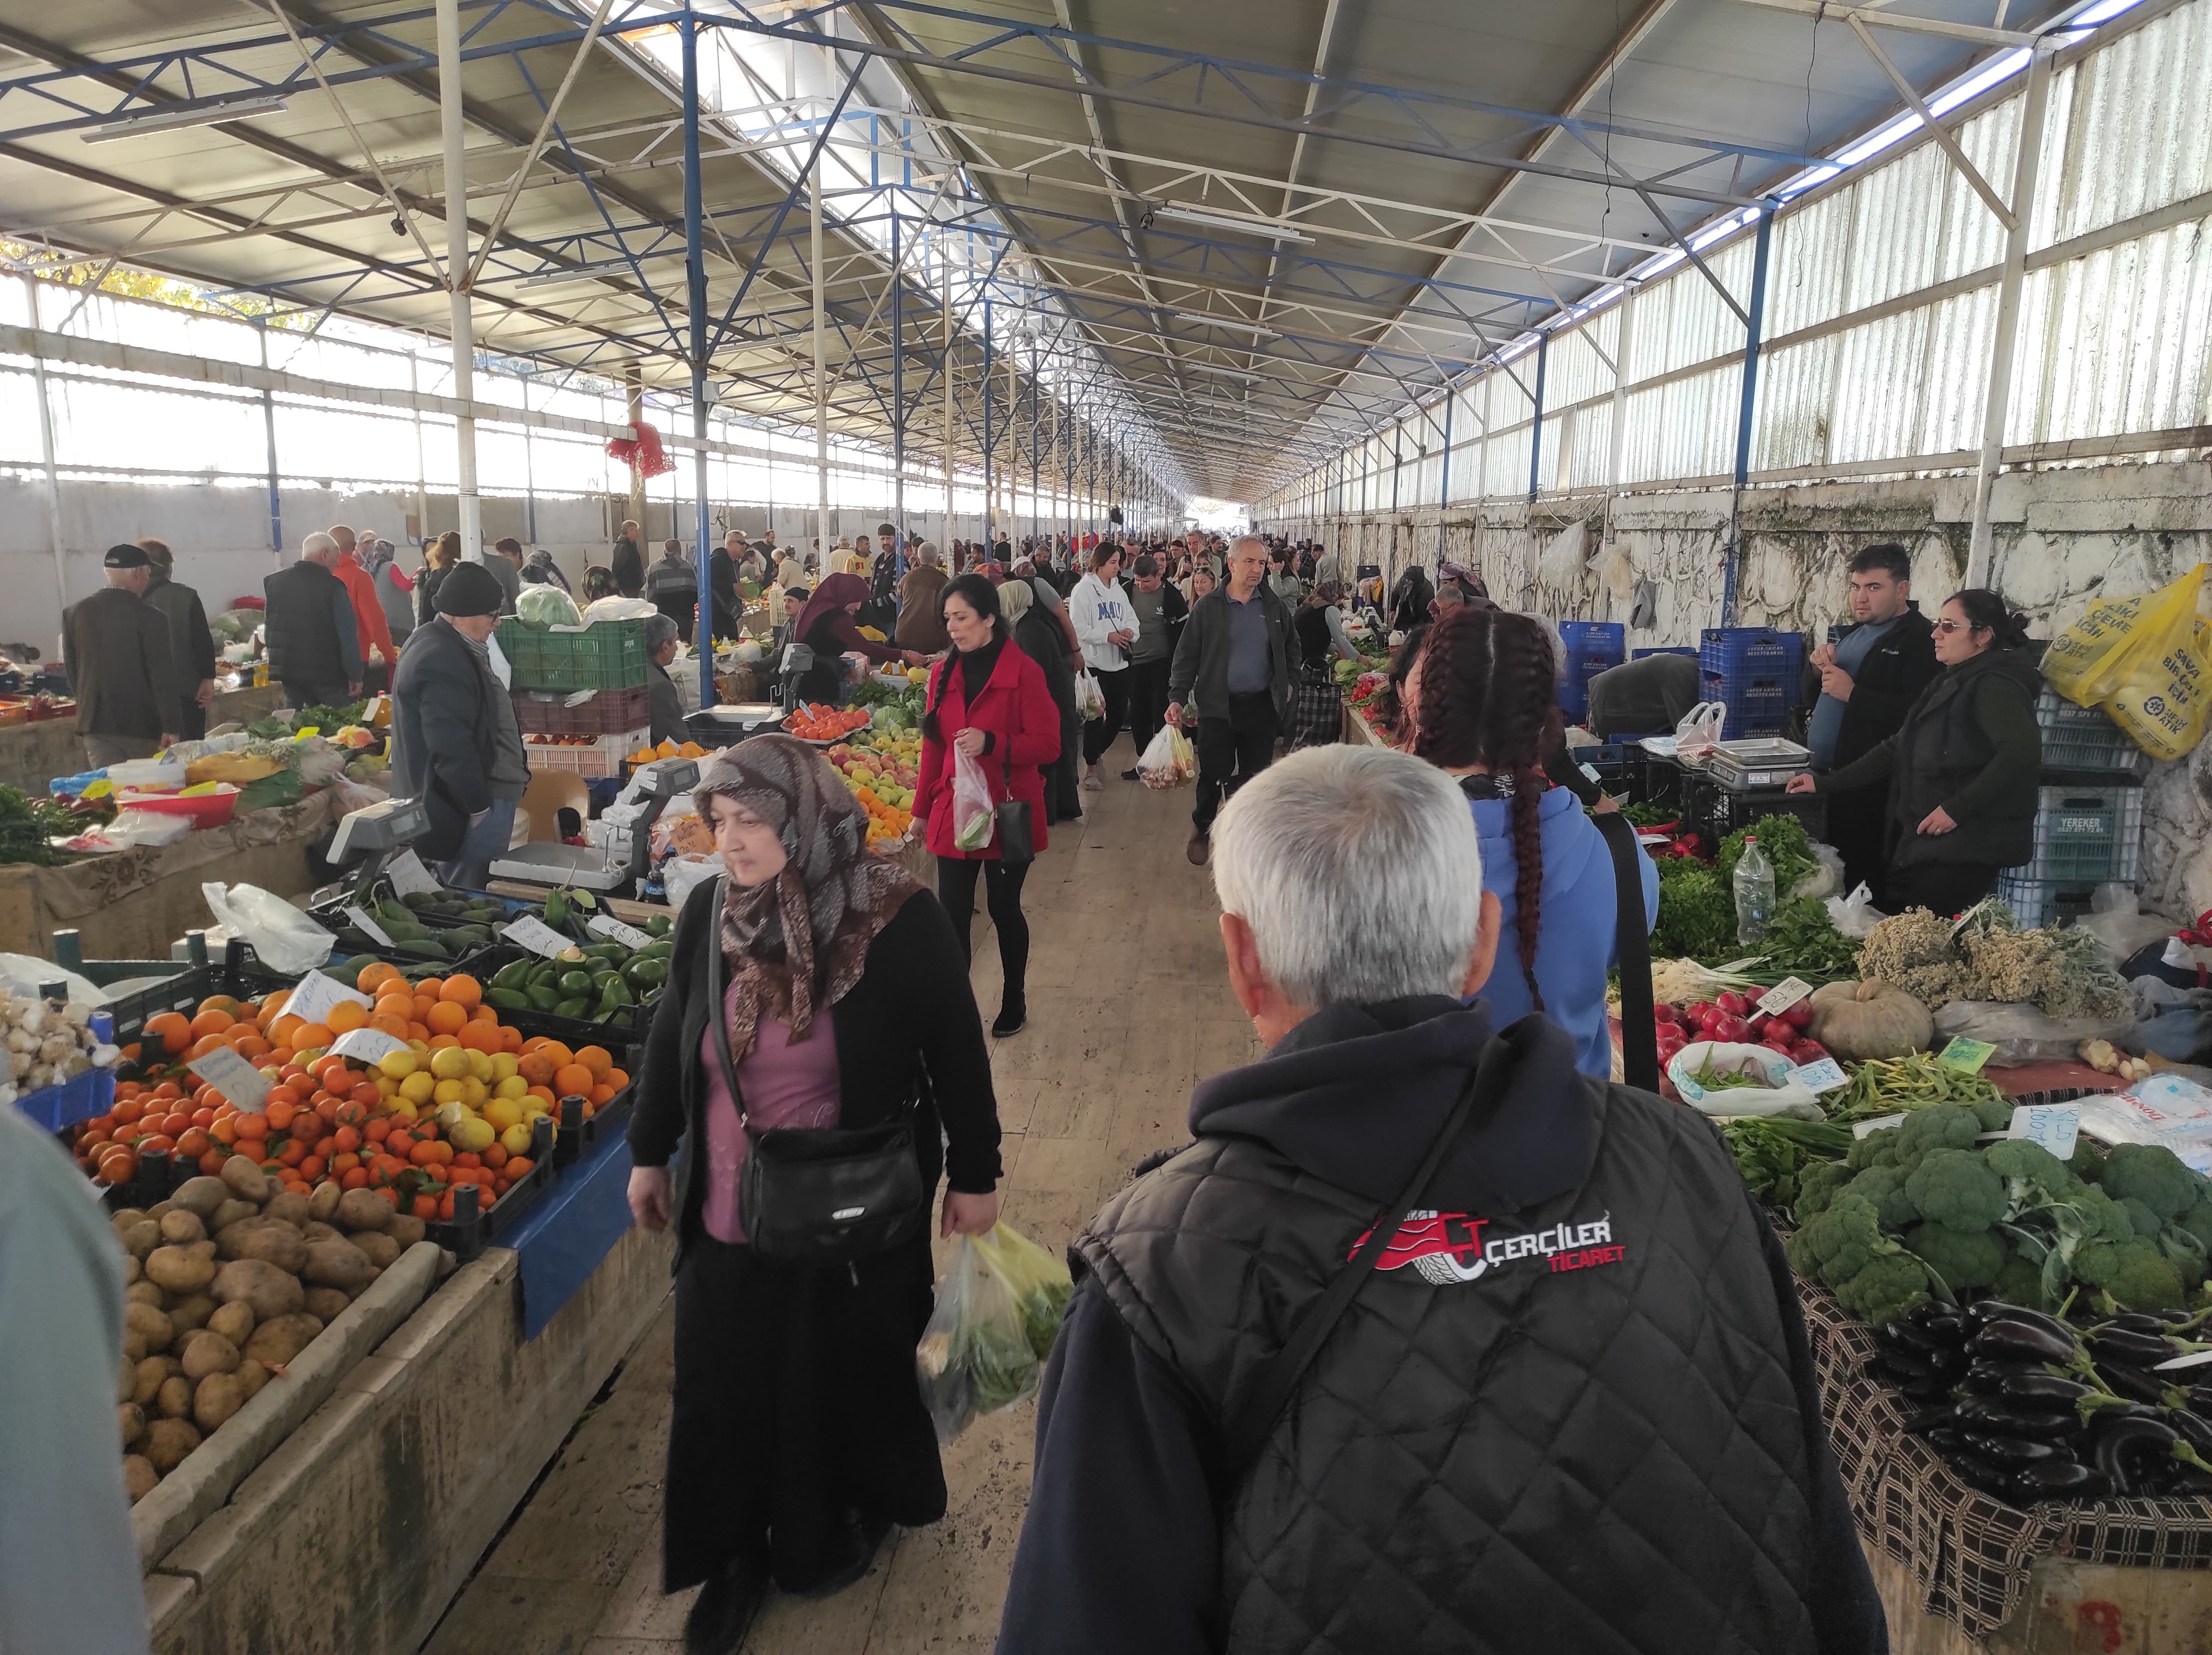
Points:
(2028, 1408)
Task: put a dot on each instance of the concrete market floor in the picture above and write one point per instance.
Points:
(1128, 1008)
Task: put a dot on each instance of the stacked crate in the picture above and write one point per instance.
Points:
(1755, 670)
(2089, 817)
(553, 667)
(1592, 646)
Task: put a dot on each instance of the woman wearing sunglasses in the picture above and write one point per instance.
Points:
(1963, 769)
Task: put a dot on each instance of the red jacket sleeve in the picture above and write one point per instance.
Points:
(1037, 742)
(932, 784)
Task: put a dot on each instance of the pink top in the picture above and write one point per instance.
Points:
(784, 1085)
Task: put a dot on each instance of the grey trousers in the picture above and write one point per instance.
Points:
(103, 750)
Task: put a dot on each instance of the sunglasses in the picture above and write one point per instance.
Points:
(1958, 626)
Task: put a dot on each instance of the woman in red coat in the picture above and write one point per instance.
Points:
(988, 699)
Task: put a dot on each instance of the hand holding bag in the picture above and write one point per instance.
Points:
(820, 1195)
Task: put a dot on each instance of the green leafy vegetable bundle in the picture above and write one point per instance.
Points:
(1697, 912)
(1803, 939)
(1784, 843)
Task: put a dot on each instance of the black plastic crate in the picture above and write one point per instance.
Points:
(618, 1034)
(1718, 811)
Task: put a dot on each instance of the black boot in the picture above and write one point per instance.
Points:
(867, 1539)
(1013, 1015)
(723, 1612)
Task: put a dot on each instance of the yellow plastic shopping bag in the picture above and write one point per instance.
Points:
(2086, 662)
(2165, 687)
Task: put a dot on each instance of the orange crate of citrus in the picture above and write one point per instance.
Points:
(452, 1106)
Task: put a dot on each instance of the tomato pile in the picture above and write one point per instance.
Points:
(1733, 1018)
(818, 721)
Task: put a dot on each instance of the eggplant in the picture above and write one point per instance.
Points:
(2008, 1419)
(2200, 1399)
(2130, 1346)
(1942, 1320)
(1903, 1336)
(1948, 1440)
(2022, 1341)
(2197, 1433)
(1952, 1363)
(2132, 1383)
(1988, 1376)
(2135, 1321)
(2188, 1480)
(2132, 1453)
(1995, 1310)
(2014, 1451)
(2043, 1391)
(1936, 1388)
(2061, 1479)
(1924, 1420)
(1979, 1473)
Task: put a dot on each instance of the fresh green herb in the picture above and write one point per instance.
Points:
(1771, 1152)
(1723, 1080)
(1696, 914)
(1650, 815)
(1804, 941)
(1785, 843)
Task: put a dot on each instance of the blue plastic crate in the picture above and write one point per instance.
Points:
(1604, 638)
(55, 1107)
(1760, 650)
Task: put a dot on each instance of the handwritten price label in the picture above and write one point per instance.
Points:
(360, 916)
(409, 876)
(316, 994)
(1783, 995)
(367, 1045)
(237, 1079)
(537, 935)
(614, 931)
(2053, 1126)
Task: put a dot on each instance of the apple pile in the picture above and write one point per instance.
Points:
(1735, 1019)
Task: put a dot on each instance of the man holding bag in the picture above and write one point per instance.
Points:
(1238, 662)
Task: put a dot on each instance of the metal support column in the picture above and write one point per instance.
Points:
(898, 390)
(824, 540)
(456, 182)
(1997, 405)
(989, 499)
(944, 544)
(46, 451)
(1747, 407)
(1536, 417)
(1037, 521)
(269, 441)
(694, 300)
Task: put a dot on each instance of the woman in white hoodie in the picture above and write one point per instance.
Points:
(1105, 625)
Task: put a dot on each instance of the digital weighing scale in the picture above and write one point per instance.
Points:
(632, 815)
(377, 832)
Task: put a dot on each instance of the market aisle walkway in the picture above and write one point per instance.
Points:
(1128, 1008)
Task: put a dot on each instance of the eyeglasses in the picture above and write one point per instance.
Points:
(1959, 626)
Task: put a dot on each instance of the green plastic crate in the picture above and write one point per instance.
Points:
(606, 655)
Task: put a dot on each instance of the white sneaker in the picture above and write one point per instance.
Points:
(1091, 782)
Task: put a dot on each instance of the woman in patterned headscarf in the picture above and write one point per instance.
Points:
(798, 1434)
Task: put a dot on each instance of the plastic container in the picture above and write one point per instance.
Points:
(1594, 639)
(55, 1107)
(2084, 738)
(205, 810)
(1716, 811)
(1757, 651)
(2039, 902)
(603, 758)
(609, 713)
(1753, 891)
(607, 655)
(2086, 834)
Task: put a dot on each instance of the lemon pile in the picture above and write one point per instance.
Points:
(479, 1099)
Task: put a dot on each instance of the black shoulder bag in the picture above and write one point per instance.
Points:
(820, 1195)
(1247, 1433)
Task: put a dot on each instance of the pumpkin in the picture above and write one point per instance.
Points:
(1871, 1019)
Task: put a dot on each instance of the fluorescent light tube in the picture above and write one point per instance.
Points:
(168, 120)
(584, 272)
(1225, 322)
(1272, 231)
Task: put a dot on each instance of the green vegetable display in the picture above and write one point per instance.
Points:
(25, 825)
(1650, 815)
(1772, 1152)
(1883, 1086)
(1784, 843)
(1803, 940)
(1697, 912)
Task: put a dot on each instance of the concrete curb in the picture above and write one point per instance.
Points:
(196, 1489)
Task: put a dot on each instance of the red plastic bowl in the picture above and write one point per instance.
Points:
(206, 809)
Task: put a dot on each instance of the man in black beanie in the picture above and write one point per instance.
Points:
(455, 743)
(115, 648)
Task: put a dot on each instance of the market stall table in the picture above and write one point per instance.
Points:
(34, 753)
(129, 904)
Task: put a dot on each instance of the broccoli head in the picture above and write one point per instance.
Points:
(1994, 1113)
(2153, 1175)
(2147, 1222)
(1964, 1259)
(1817, 1186)
(1874, 1149)
(2197, 1220)
(2031, 1173)
(2088, 1161)
(1945, 1126)
(1839, 1241)
(1887, 1289)
(2018, 1282)
(1956, 1187)
(2185, 1253)
(2133, 1274)
(1884, 1187)
(2088, 1214)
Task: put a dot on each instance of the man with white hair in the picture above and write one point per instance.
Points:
(1237, 664)
(308, 625)
(1427, 1342)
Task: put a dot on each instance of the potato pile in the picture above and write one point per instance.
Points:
(229, 1280)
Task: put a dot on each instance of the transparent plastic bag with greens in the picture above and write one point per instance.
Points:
(1039, 1281)
(975, 1356)
(971, 803)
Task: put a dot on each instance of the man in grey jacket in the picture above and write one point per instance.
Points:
(1237, 663)
(455, 744)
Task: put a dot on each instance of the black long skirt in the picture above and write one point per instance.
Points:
(797, 1415)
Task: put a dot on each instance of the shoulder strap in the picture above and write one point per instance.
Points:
(1246, 1435)
(1639, 1039)
(716, 1014)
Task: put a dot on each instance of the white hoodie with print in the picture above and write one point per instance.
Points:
(1099, 608)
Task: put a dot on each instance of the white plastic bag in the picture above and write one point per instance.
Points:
(2021, 1033)
(285, 939)
(1856, 915)
(617, 609)
(1156, 766)
(1772, 1092)
(135, 830)
(974, 1357)
(167, 771)
(1824, 880)
(1699, 730)
(1090, 700)
(679, 874)
(971, 803)
(2116, 921)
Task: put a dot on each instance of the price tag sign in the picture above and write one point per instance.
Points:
(537, 935)
(367, 1045)
(360, 917)
(606, 925)
(2053, 1126)
(316, 994)
(1825, 1075)
(1966, 1055)
(409, 876)
(1783, 995)
(233, 1076)
(1881, 1123)
(2194, 1358)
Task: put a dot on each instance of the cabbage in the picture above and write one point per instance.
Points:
(544, 607)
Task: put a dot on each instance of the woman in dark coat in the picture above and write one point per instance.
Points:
(827, 626)
(798, 1434)
(440, 557)
(1046, 644)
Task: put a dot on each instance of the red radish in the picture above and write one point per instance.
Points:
(1732, 1029)
(1694, 1015)
(1663, 1013)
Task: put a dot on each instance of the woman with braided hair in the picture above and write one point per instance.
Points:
(1481, 704)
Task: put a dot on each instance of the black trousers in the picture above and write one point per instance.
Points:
(681, 611)
(1148, 699)
(1232, 751)
(796, 1410)
(1002, 890)
(1858, 825)
(1098, 734)
(298, 695)
(1942, 887)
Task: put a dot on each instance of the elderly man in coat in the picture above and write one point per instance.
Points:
(115, 648)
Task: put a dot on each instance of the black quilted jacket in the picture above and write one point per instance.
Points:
(1575, 1412)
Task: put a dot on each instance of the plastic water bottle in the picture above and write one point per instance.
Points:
(1754, 894)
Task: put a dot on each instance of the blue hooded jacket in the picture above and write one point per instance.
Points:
(1575, 944)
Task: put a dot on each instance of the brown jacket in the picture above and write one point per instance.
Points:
(921, 610)
(115, 647)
